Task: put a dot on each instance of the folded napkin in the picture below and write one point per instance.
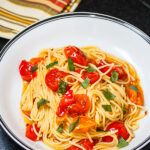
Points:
(16, 15)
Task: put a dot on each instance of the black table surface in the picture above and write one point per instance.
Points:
(132, 11)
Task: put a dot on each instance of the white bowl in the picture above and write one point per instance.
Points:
(110, 34)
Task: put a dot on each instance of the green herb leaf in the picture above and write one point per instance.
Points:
(52, 64)
(133, 87)
(62, 87)
(74, 124)
(60, 127)
(114, 76)
(90, 69)
(41, 102)
(108, 95)
(122, 143)
(71, 64)
(34, 68)
(85, 83)
(124, 109)
(107, 108)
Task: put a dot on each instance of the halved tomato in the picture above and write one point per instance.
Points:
(25, 68)
(120, 127)
(81, 106)
(76, 55)
(30, 132)
(53, 77)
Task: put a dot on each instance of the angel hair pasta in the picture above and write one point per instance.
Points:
(80, 99)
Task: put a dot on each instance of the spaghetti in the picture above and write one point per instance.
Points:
(80, 99)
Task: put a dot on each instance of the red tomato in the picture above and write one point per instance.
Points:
(30, 132)
(78, 70)
(76, 55)
(25, 71)
(81, 105)
(118, 69)
(53, 77)
(85, 143)
(101, 63)
(65, 102)
(36, 60)
(73, 148)
(93, 76)
(122, 131)
(107, 139)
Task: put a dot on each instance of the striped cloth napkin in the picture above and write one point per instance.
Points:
(16, 15)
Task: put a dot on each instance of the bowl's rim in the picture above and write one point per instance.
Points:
(59, 17)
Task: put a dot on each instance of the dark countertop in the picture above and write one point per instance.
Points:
(132, 11)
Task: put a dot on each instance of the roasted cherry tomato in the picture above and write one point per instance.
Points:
(81, 106)
(76, 55)
(85, 124)
(85, 143)
(135, 96)
(36, 60)
(30, 132)
(120, 127)
(119, 69)
(93, 76)
(107, 139)
(101, 63)
(53, 77)
(73, 148)
(78, 70)
(25, 70)
(65, 102)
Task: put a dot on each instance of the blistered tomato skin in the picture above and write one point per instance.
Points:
(76, 55)
(25, 71)
(66, 101)
(85, 143)
(120, 127)
(53, 78)
(122, 75)
(81, 106)
(92, 76)
(30, 132)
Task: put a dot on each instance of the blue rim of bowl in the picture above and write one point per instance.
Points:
(59, 17)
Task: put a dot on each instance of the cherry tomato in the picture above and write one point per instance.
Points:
(122, 74)
(76, 55)
(78, 70)
(85, 124)
(107, 139)
(81, 106)
(120, 127)
(119, 69)
(85, 143)
(36, 60)
(101, 63)
(30, 132)
(135, 96)
(74, 148)
(25, 71)
(65, 102)
(53, 77)
(93, 76)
